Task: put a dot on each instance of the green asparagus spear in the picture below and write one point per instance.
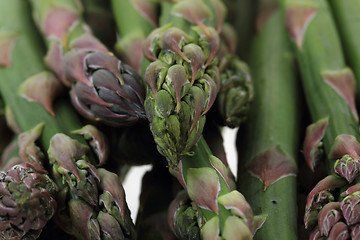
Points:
(330, 94)
(347, 21)
(267, 152)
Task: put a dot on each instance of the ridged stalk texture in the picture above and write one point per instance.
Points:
(86, 194)
(329, 87)
(268, 149)
(103, 88)
(347, 21)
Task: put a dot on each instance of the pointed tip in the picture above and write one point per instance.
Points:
(298, 17)
(7, 41)
(46, 83)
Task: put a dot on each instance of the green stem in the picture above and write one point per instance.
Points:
(348, 20)
(272, 133)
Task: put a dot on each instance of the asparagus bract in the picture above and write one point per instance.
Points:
(330, 93)
(135, 19)
(268, 150)
(103, 88)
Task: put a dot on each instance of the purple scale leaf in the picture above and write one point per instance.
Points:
(195, 54)
(347, 167)
(235, 229)
(88, 95)
(7, 41)
(195, 11)
(152, 73)
(28, 151)
(316, 235)
(82, 108)
(198, 104)
(266, 10)
(178, 173)
(211, 229)
(53, 60)
(172, 40)
(345, 145)
(73, 65)
(110, 182)
(110, 226)
(203, 187)
(148, 50)
(213, 91)
(238, 205)
(220, 12)
(98, 142)
(328, 216)
(106, 79)
(47, 84)
(58, 21)
(148, 9)
(272, 165)
(355, 232)
(351, 190)
(258, 222)
(80, 215)
(343, 81)
(298, 17)
(314, 134)
(87, 42)
(177, 76)
(132, 52)
(223, 170)
(64, 151)
(350, 207)
(339, 232)
(328, 183)
(213, 40)
(96, 60)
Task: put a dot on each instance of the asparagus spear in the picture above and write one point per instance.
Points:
(95, 194)
(268, 151)
(183, 77)
(330, 93)
(347, 20)
(103, 88)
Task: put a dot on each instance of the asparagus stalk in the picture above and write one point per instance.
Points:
(152, 219)
(347, 21)
(330, 93)
(95, 194)
(135, 19)
(103, 88)
(268, 150)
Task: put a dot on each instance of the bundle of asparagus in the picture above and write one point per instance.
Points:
(155, 82)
